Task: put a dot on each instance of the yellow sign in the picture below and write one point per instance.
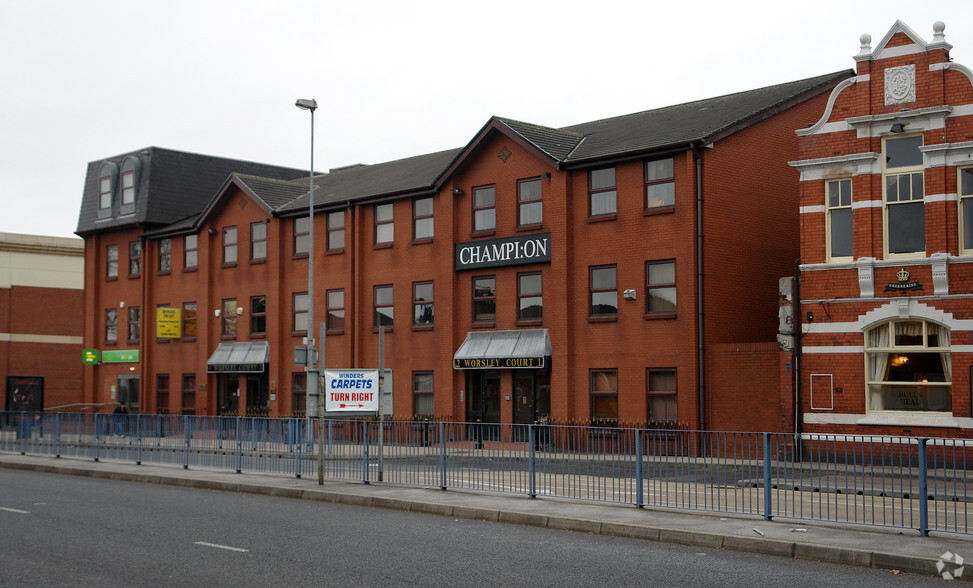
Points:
(168, 323)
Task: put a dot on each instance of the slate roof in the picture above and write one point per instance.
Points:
(172, 186)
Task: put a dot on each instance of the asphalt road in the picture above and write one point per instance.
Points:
(68, 531)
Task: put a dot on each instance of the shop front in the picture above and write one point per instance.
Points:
(242, 378)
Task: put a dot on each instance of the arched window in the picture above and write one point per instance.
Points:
(908, 367)
(107, 176)
(131, 168)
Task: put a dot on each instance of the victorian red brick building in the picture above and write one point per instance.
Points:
(886, 234)
(622, 270)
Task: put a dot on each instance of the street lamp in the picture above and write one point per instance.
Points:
(312, 372)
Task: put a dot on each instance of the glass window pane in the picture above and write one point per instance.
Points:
(967, 220)
(662, 300)
(530, 284)
(336, 239)
(424, 228)
(660, 195)
(603, 178)
(485, 219)
(903, 152)
(603, 203)
(907, 228)
(423, 207)
(530, 190)
(384, 233)
(658, 170)
(383, 213)
(531, 213)
(602, 278)
(423, 292)
(484, 197)
(604, 303)
(383, 295)
(662, 273)
(841, 233)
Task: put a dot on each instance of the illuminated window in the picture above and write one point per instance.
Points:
(908, 367)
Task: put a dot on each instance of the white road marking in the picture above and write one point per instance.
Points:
(18, 511)
(218, 546)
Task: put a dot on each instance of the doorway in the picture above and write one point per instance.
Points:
(228, 395)
(483, 405)
(128, 392)
(258, 395)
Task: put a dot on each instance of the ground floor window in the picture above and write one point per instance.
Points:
(189, 394)
(661, 392)
(162, 393)
(299, 394)
(422, 395)
(908, 367)
(604, 397)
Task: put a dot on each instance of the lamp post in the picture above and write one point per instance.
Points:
(312, 386)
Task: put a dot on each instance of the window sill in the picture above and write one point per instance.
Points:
(422, 327)
(382, 246)
(258, 335)
(299, 256)
(334, 332)
(529, 228)
(422, 241)
(335, 251)
(608, 318)
(111, 279)
(111, 343)
(483, 324)
(658, 316)
(228, 337)
(258, 261)
(164, 273)
(659, 210)
(388, 330)
(162, 341)
(134, 276)
(227, 265)
(486, 233)
(188, 270)
(529, 322)
(188, 339)
(602, 218)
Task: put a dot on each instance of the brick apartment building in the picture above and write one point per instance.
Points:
(41, 318)
(621, 270)
(886, 238)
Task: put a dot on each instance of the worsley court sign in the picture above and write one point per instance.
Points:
(518, 250)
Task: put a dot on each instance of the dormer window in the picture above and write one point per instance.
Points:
(131, 166)
(107, 176)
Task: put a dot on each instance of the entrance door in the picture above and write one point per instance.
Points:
(228, 394)
(258, 395)
(532, 397)
(483, 405)
(128, 392)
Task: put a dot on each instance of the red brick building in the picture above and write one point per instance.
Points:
(622, 270)
(885, 278)
(41, 317)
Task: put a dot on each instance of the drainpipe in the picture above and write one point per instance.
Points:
(700, 314)
(797, 350)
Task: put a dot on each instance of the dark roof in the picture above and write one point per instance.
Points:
(172, 185)
(683, 124)
(410, 175)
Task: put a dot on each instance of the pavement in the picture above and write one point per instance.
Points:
(899, 550)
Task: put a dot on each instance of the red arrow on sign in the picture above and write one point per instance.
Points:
(351, 405)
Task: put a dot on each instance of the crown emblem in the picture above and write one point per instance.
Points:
(902, 275)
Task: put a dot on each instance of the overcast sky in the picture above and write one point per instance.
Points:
(82, 81)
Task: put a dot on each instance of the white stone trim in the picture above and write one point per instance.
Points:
(814, 209)
(958, 67)
(895, 419)
(866, 204)
(842, 166)
(49, 339)
(833, 349)
(947, 154)
(939, 198)
(842, 86)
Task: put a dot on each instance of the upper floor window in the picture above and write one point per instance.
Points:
(258, 315)
(484, 209)
(422, 303)
(908, 367)
(104, 196)
(111, 325)
(229, 317)
(111, 262)
(131, 166)
(300, 307)
(905, 217)
(229, 245)
(530, 210)
(128, 188)
(660, 287)
(839, 229)
(336, 310)
(604, 292)
(336, 230)
(134, 324)
(422, 220)
(965, 188)
(484, 299)
(190, 252)
(384, 227)
(188, 320)
(530, 299)
(601, 189)
(258, 241)
(660, 184)
(165, 256)
(135, 258)
(384, 312)
(302, 235)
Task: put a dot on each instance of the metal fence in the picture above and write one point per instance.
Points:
(904, 482)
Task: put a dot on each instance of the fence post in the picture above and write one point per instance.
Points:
(295, 431)
(639, 498)
(185, 455)
(923, 489)
(442, 456)
(532, 485)
(239, 444)
(767, 493)
(57, 434)
(97, 439)
(138, 439)
(364, 453)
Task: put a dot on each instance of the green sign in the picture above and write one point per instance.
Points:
(126, 356)
(89, 356)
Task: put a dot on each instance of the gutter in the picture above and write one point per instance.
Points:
(700, 313)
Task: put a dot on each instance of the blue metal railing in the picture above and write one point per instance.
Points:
(903, 482)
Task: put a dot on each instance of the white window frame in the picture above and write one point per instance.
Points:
(897, 172)
(872, 401)
(841, 206)
(964, 197)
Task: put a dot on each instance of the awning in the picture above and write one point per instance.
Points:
(524, 349)
(239, 358)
